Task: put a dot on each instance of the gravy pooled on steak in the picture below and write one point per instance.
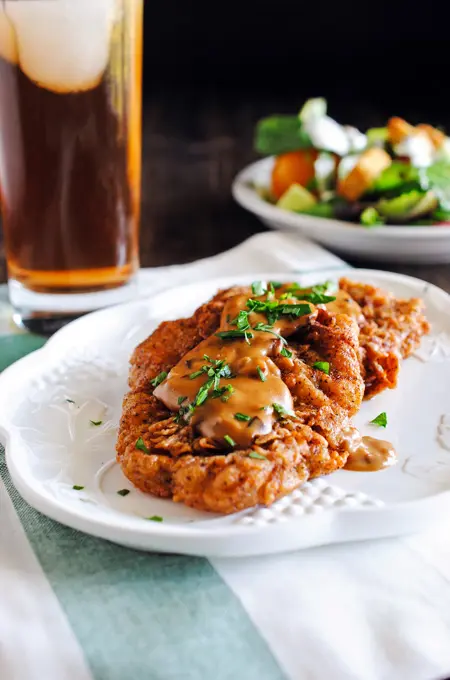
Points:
(237, 361)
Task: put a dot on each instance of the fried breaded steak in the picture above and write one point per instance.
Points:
(390, 329)
(362, 346)
(179, 463)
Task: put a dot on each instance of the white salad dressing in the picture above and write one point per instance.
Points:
(418, 148)
(324, 167)
(357, 139)
(327, 134)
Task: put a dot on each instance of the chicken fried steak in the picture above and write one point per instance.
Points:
(390, 329)
(242, 402)
(251, 396)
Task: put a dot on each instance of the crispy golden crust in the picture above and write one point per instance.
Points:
(391, 330)
(187, 467)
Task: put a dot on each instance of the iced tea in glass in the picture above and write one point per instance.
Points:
(70, 153)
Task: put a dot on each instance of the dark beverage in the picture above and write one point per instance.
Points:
(70, 127)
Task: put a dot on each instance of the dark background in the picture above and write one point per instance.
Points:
(210, 72)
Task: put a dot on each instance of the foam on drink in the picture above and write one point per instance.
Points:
(61, 45)
(8, 46)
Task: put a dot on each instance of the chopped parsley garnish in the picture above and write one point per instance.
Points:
(314, 298)
(258, 288)
(258, 456)
(275, 284)
(322, 287)
(159, 378)
(286, 352)
(316, 294)
(155, 518)
(323, 366)
(202, 394)
(196, 374)
(265, 328)
(380, 420)
(295, 310)
(218, 368)
(123, 492)
(261, 374)
(96, 423)
(214, 371)
(141, 445)
(319, 298)
(228, 335)
(184, 410)
(262, 306)
(70, 401)
(229, 440)
(281, 411)
(77, 488)
(243, 417)
(274, 309)
(241, 321)
(223, 393)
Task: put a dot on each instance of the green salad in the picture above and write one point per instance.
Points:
(398, 174)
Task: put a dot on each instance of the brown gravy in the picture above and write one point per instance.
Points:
(254, 380)
(252, 383)
(371, 455)
(344, 304)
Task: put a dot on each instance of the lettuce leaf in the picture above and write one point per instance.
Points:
(397, 177)
(280, 134)
(437, 177)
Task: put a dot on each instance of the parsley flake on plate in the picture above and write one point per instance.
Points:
(380, 420)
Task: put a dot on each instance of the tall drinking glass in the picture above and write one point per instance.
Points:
(70, 154)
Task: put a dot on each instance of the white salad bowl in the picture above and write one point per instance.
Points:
(425, 245)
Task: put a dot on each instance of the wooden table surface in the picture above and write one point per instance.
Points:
(193, 145)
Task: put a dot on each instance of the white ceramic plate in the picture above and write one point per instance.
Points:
(52, 446)
(386, 243)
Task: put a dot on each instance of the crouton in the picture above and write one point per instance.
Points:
(360, 179)
(398, 129)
